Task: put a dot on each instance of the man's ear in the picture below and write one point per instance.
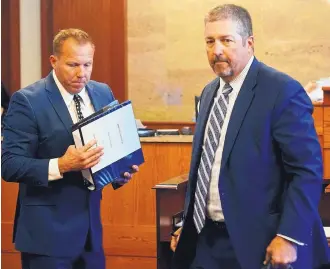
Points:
(250, 42)
(53, 60)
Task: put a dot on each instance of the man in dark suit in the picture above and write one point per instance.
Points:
(57, 222)
(256, 169)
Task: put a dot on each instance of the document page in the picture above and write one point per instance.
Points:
(116, 132)
(327, 231)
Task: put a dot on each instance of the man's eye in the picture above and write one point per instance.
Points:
(71, 64)
(209, 42)
(87, 65)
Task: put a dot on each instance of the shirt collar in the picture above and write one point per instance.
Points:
(68, 97)
(237, 82)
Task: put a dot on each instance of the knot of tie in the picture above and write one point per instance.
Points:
(227, 89)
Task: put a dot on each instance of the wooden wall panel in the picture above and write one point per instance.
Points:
(318, 119)
(105, 21)
(326, 161)
(326, 127)
(129, 213)
(11, 261)
(326, 141)
(10, 45)
(130, 262)
(7, 234)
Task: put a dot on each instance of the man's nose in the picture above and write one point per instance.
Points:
(218, 48)
(80, 71)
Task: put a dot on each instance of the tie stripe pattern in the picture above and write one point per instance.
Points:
(216, 119)
(76, 99)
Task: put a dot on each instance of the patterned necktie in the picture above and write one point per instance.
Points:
(76, 99)
(216, 119)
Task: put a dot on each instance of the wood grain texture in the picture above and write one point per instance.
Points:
(121, 262)
(10, 45)
(129, 213)
(326, 162)
(326, 127)
(318, 119)
(105, 21)
(326, 130)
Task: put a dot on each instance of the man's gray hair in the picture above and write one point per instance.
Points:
(236, 13)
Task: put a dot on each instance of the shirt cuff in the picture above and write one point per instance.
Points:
(292, 240)
(53, 171)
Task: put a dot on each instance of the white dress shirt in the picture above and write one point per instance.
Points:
(86, 109)
(214, 208)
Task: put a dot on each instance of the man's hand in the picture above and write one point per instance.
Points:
(175, 238)
(76, 159)
(127, 176)
(281, 253)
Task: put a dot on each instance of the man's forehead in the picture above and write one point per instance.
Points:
(221, 27)
(76, 49)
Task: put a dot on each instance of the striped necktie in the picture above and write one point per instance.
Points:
(211, 141)
(77, 99)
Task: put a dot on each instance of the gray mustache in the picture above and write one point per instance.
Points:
(219, 60)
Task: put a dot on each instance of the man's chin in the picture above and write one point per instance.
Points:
(76, 89)
(223, 74)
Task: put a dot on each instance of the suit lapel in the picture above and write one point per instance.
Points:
(94, 96)
(205, 108)
(58, 103)
(240, 109)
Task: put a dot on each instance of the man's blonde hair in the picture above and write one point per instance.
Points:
(78, 35)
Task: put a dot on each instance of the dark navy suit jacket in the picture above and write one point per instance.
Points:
(271, 171)
(52, 217)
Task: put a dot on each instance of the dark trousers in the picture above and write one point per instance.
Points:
(214, 249)
(86, 260)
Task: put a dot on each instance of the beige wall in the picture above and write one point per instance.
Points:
(167, 64)
(30, 45)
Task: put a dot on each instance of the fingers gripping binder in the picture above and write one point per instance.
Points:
(115, 129)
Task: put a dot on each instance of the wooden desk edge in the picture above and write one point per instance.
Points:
(172, 183)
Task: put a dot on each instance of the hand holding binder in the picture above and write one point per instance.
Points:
(76, 159)
(127, 175)
(114, 128)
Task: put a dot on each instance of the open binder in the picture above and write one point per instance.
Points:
(115, 129)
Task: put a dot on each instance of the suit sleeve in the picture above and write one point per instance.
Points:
(295, 134)
(19, 162)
